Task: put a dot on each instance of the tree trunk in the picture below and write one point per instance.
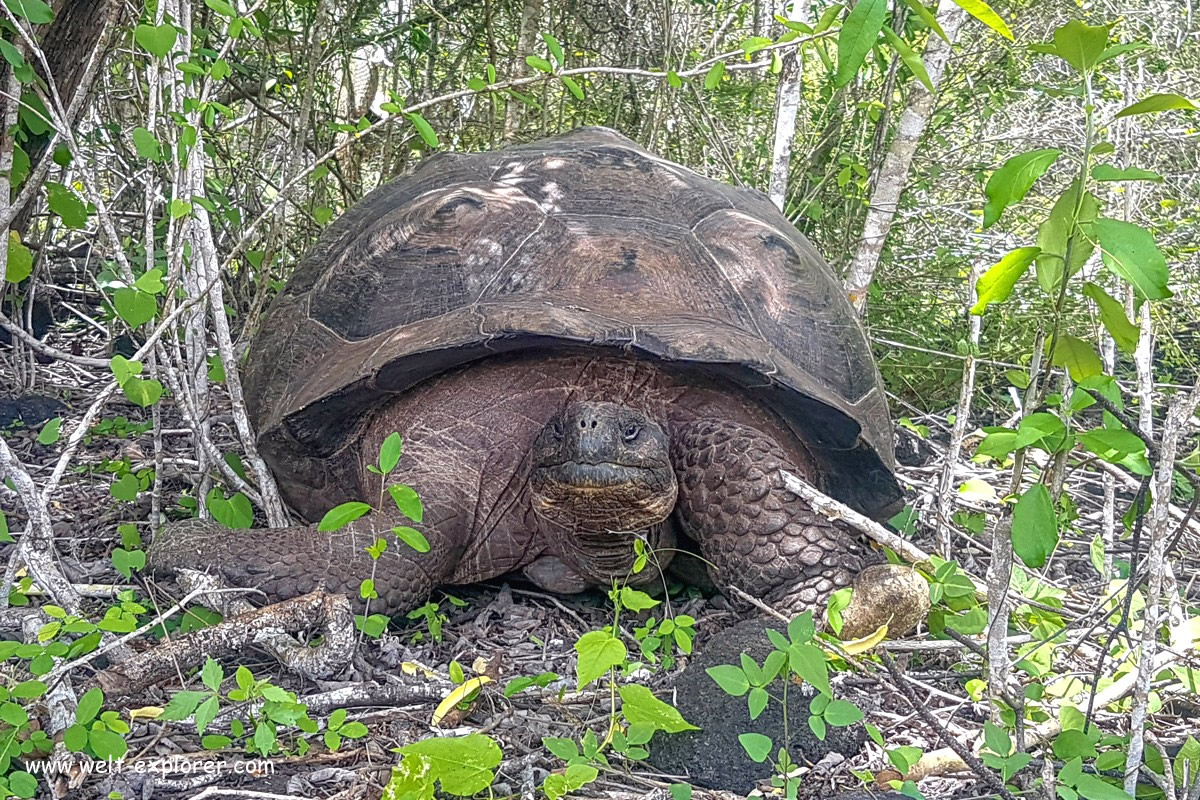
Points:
(531, 16)
(893, 174)
(68, 43)
(787, 102)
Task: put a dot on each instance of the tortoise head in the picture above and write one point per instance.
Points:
(603, 467)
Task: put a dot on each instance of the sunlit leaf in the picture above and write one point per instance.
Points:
(984, 13)
(1014, 179)
(995, 285)
(1158, 102)
(858, 35)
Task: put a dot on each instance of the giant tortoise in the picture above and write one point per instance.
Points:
(581, 344)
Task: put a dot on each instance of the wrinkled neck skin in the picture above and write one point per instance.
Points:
(601, 556)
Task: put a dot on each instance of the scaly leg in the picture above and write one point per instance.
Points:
(289, 562)
(759, 536)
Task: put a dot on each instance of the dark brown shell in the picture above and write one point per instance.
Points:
(581, 238)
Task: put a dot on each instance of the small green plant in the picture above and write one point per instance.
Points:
(338, 729)
(261, 732)
(434, 618)
(795, 656)
(18, 739)
(601, 653)
(100, 734)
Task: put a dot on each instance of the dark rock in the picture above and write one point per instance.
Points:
(713, 757)
(31, 410)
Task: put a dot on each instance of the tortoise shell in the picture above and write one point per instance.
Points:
(583, 239)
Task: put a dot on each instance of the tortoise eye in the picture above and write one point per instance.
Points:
(556, 428)
(631, 431)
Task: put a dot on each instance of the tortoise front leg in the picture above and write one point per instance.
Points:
(289, 562)
(758, 536)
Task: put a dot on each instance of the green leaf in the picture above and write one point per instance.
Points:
(599, 651)
(801, 628)
(984, 13)
(1081, 45)
(50, 431)
(134, 306)
(339, 517)
(910, 59)
(412, 537)
(757, 701)
(20, 260)
(1079, 357)
(1107, 172)
(640, 706)
(681, 791)
(407, 501)
(573, 87)
(1130, 251)
(156, 40)
(1041, 429)
(1112, 314)
(753, 44)
(807, 661)
(390, 452)
(731, 679)
(1034, 527)
(635, 600)
(817, 725)
(927, 17)
(555, 48)
(1053, 235)
(997, 739)
(673, 79)
(150, 281)
(124, 488)
(143, 393)
(147, 145)
(180, 208)
(1112, 444)
(1014, 179)
(1071, 744)
(211, 674)
(36, 11)
(464, 764)
(412, 779)
(425, 129)
(841, 713)
(857, 37)
(106, 744)
(757, 746)
(539, 63)
(28, 690)
(206, 713)
(997, 283)
(235, 512)
(221, 7)
(1157, 102)
(1120, 50)
(1092, 788)
(89, 706)
(126, 561)
(69, 208)
(712, 78)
